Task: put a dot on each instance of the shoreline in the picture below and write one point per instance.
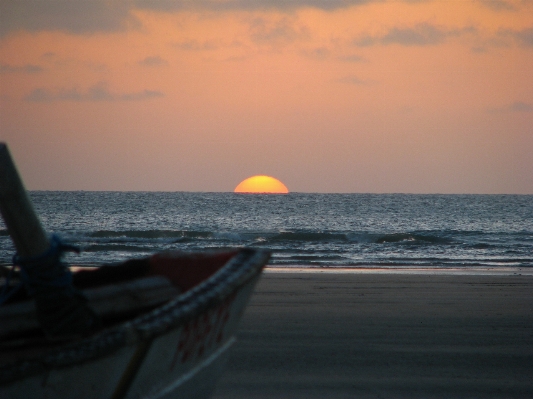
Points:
(378, 270)
(452, 271)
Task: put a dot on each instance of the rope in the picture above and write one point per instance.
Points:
(61, 309)
(43, 273)
(46, 272)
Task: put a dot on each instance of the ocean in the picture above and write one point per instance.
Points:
(301, 230)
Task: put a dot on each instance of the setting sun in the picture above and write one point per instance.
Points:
(261, 185)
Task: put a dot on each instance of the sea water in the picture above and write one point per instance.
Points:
(309, 230)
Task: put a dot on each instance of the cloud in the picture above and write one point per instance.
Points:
(73, 16)
(195, 45)
(517, 106)
(141, 95)
(478, 50)
(217, 5)
(523, 37)
(354, 80)
(281, 31)
(421, 35)
(319, 53)
(98, 92)
(498, 5)
(28, 68)
(153, 61)
(520, 106)
(90, 16)
(352, 58)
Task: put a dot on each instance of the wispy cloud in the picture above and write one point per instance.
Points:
(517, 106)
(479, 49)
(140, 95)
(524, 37)
(423, 34)
(355, 80)
(217, 5)
(508, 37)
(520, 106)
(28, 68)
(352, 58)
(90, 16)
(319, 53)
(195, 45)
(153, 61)
(73, 16)
(276, 32)
(498, 5)
(98, 92)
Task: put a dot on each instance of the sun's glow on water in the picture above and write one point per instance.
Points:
(261, 184)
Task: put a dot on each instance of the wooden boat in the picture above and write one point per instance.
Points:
(153, 328)
(173, 350)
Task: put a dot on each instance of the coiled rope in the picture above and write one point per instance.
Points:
(46, 272)
(61, 308)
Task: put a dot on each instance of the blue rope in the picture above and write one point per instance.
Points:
(44, 273)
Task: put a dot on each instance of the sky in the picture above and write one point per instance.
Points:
(338, 96)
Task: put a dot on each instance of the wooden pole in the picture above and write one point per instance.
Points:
(25, 229)
(60, 309)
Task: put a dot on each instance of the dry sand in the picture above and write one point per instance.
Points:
(370, 335)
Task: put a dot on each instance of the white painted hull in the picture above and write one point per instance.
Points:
(176, 351)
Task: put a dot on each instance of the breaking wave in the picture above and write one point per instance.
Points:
(273, 237)
(315, 230)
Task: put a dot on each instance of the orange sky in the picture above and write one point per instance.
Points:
(327, 96)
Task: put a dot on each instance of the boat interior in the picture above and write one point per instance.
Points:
(117, 293)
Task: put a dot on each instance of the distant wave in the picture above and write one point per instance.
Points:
(314, 248)
(412, 238)
(311, 258)
(308, 236)
(309, 230)
(116, 247)
(150, 234)
(302, 236)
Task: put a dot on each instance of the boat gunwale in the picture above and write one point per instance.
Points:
(241, 268)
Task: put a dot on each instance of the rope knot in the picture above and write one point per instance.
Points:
(46, 273)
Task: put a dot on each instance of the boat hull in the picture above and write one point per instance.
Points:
(176, 350)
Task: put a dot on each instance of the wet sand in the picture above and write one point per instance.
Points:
(371, 335)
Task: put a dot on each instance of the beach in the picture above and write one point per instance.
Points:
(342, 334)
